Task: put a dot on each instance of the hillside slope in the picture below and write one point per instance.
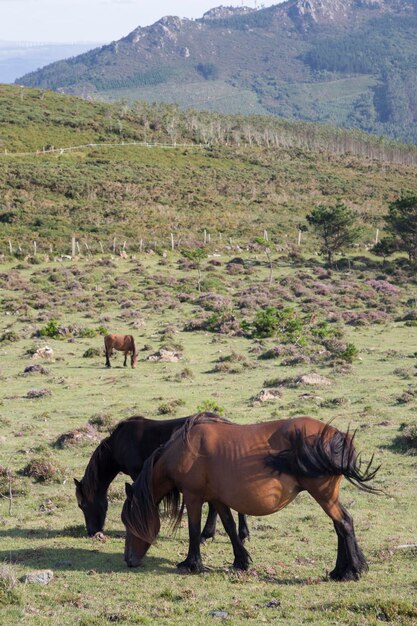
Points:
(348, 63)
(248, 174)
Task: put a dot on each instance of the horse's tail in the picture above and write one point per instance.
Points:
(141, 518)
(324, 454)
(133, 345)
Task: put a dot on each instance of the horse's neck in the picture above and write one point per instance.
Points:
(102, 468)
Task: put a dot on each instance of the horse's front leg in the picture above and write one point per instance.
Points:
(209, 529)
(193, 561)
(125, 361)
(107, 358)
(243, 527)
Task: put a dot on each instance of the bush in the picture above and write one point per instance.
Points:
(92, 352)
(9, 336)
(51, 330)
(210, 406)
(8, 582)
(170, 407)
(103, 422)
(44, 470)
(350, 353)
(272, 321)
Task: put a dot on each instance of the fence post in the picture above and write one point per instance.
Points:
(11, 247)
(34, 248)
(101, 247)
(172, 242)
(377, 236)
(73, 246)
(299, 237)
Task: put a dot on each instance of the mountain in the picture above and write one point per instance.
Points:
(351, 63)
(17, 58)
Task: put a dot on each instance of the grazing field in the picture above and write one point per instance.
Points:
(354, 327)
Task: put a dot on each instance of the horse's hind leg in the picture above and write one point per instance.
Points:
(209, 529)
(125, 361)
(350, 562)
(193, 561)
(107, 357)
(242, 556)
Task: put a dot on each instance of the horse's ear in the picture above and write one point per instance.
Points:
(77, 483)
(129, 491)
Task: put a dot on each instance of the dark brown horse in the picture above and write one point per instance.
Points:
(125, 450)
(123, 343)
(257, 470)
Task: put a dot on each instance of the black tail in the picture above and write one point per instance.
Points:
(133, 345)
(323, 455)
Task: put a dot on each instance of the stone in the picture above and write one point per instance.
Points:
(38, 577)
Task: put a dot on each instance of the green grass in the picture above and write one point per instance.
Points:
(292, 550)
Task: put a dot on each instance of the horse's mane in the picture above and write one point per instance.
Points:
(141, 514)
(91, 478)
(195, 420)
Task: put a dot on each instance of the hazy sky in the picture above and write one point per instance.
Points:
(94, 20)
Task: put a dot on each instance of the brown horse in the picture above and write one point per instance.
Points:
(257, 470)
(123, 343)
(132, 441)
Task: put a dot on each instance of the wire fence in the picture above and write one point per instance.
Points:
(123, 144)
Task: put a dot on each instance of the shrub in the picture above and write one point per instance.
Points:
(350, 353)
(51, 330)
(92, 352)
(9, 336)
(272, 321)
(210, 406)
(8, 583)
(103, 422)
(407, 440)
(170, 407)
(184, 374)
(43, 470)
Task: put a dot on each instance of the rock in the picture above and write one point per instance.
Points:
(222, 614)
(166, 356)
(37, 393)
(313, 379)
(39, 577)
(268, 394)
(43, 353)
(35, 369)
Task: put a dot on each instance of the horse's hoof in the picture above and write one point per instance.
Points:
(190, 567)
(204, 538)
(241, 565)
(243, 536)
(344, 576)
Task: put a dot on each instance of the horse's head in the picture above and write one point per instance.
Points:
(94, 509)
(135, 546)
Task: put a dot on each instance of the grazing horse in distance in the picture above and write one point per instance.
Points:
(255, 469)
(123, 343)
(132, 441)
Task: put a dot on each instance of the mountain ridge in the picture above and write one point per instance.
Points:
(286, 55)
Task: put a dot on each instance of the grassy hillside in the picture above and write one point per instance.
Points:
(251, 174)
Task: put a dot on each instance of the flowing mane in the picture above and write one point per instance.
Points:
(91, 478)
(141, 514)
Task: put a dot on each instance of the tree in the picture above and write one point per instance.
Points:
(402, 224)
(196, 256)
(335, 226)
